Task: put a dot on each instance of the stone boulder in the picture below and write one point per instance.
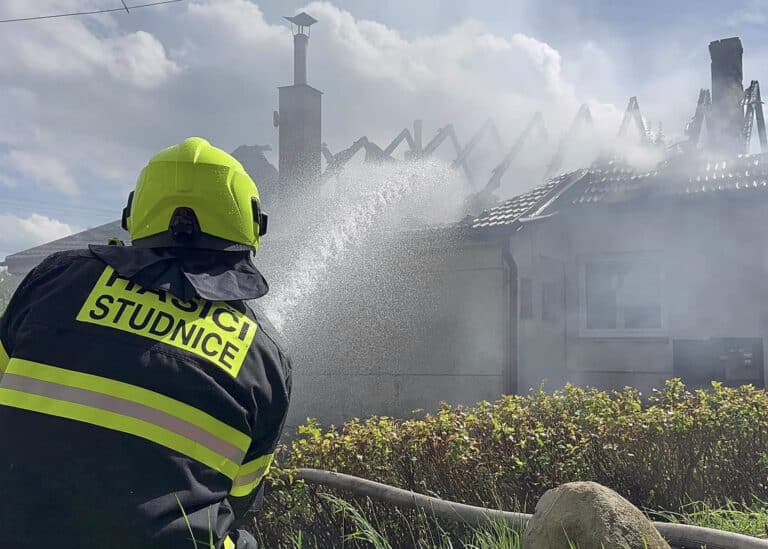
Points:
(590, 515)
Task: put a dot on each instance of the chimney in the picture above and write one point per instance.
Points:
(726, 116)
(299, 119)
(300, 44)
(300, 25)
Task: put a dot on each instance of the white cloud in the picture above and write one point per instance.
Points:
(39, 167)
(241, 21)
(754, 13)
(17, 233)
(464, 64)
(139, 59)
(79, 47)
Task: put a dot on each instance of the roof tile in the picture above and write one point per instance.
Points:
(612, 182)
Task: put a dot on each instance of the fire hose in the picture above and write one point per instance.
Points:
(680, 536)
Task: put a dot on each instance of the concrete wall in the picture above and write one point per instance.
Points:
(426, 325)
(713, 258)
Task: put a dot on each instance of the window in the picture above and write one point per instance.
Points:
(622, 295)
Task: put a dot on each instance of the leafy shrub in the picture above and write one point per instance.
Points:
(708, 446)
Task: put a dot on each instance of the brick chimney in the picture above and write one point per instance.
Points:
(726, 117)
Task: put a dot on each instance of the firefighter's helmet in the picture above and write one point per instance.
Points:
(195, 195)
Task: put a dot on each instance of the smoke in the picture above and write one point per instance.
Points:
(650, 288)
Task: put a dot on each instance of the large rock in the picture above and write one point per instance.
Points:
(590, 515)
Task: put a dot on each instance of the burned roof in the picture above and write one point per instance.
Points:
(510, 211)
(677, 177)
(613, 182)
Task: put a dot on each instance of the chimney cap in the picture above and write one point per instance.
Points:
(732, 42)
(302, 19)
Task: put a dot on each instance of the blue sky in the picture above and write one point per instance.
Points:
(88, 100)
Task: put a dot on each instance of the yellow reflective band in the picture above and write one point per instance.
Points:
(3, 359)
(131, 393)
(214, 331)
(250, 475)
(228, 543)
(117, 422)
(63, 393)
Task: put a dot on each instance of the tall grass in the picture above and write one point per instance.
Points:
(751, 520)
(364, 532)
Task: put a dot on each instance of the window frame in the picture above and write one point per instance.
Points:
(621, 332)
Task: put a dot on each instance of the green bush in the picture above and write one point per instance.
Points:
(681, 446)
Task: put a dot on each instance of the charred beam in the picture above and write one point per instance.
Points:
(633, 114)
(694, 127)
(403, 135)
(473, 142)
(753, 109)
(536, 124)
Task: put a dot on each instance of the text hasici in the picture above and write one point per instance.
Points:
(214, 331)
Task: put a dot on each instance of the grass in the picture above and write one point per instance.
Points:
(210, 541)
(733, 517)
(426, 533)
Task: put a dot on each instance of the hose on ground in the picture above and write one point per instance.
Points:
(681, 536)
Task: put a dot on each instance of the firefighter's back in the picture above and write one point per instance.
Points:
(119, 408)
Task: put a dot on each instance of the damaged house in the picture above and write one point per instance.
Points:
(628, 278)
(631, 278)
(606, 276)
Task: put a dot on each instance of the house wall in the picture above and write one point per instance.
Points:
(429, 327)
(713, 259)
(541, 252)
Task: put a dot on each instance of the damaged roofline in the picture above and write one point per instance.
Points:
(537, 212)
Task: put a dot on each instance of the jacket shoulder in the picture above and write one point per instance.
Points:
(65, 259)
(55, 264)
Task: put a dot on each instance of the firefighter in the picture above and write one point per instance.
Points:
(141, 395)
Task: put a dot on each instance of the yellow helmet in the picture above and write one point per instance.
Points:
(195, 195)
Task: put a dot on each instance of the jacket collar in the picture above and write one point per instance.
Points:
(187, 273)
